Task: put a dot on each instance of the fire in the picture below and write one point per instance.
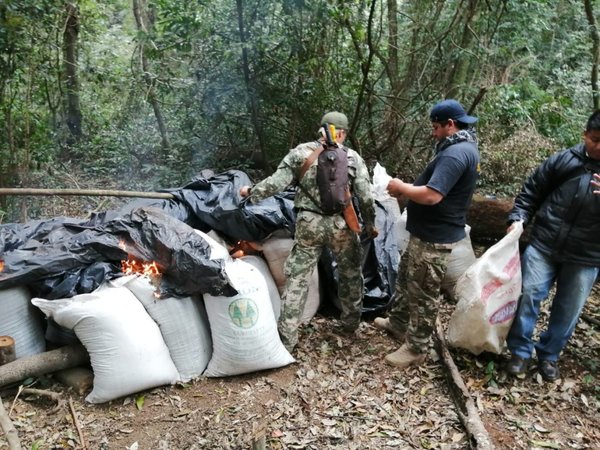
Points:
(1, 265)
(131, 266)
(243, 248)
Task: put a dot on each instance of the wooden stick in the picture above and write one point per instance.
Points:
(466, 408)
(42, 363)
(76, 422)
(90, 192)
(590, 319)
(9, 429)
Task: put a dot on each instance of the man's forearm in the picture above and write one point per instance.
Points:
(418, 194)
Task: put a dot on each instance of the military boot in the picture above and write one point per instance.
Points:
(404, 357)
(385, 325)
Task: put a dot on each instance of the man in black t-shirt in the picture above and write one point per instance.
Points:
(437, 207)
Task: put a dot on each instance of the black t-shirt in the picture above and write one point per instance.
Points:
(453, 173)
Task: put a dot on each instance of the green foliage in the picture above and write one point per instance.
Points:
(506, 162)
(491, 374)
(37, 445)
(139, 402)
(303, 57)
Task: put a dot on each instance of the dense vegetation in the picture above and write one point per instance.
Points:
(144, 94)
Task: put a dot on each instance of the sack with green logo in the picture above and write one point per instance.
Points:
(243, 327)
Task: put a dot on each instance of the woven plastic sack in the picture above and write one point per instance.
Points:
(243, 327)
(488, 295)
(21, 321)
(183, 324)
(261, 265)
(276, 251)
(461, 258)
(127, 351)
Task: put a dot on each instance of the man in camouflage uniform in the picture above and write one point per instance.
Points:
(316, 230)
(437, 206)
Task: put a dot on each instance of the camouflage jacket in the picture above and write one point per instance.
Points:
(288, 171)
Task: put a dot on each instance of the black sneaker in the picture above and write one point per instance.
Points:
(517, 365)
(548, 370)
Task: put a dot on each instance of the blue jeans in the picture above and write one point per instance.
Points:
(573, 285)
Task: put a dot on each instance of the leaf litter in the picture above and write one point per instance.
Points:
(339, 395)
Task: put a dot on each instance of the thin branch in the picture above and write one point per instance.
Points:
(77, 425)
(9, 429)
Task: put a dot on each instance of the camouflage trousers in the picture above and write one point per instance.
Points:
(418, 291)
(313, 233)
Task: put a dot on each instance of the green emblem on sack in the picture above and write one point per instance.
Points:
(243, 312)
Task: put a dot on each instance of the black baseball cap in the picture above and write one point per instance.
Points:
(450, 109)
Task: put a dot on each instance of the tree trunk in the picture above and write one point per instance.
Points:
(460, 69)
(250, 92)
(70, 51)
(145, 23)
(589, 12)
(365, 62)
(42, 363)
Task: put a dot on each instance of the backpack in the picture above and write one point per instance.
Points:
(332, 179)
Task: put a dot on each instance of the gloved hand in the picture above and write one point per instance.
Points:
(371, 231)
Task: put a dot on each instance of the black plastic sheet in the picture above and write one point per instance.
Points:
(217, 205)
(75, 257)
(62, 257)
(381, 257)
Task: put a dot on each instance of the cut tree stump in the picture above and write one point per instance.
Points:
(7, 350)
(479, 438)
(42, 363)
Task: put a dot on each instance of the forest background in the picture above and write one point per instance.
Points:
(143, 95)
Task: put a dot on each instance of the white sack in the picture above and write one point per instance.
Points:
(183, 324)
(21, 321)
(404, 235)
(276, 251)
(461, 258)
(488, 294)
(261, 265)
(218, 250)
(381, 179)
(243, 327)
(127, 351)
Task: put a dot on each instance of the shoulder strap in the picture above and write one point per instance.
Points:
(311, 159)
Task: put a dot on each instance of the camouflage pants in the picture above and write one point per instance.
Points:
(313, 233)
(417, 293)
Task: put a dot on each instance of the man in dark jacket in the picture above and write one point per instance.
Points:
(437, 207)
(564, 249)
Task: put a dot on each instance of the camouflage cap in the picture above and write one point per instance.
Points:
(337, 119)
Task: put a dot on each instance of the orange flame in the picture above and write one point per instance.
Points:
(1, 265)
(243, 248)
(131, 266)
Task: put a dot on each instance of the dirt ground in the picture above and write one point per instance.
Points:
(338, 395)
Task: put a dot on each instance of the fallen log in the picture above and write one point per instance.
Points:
(42, 363)
(479, 438)
(84, 192)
